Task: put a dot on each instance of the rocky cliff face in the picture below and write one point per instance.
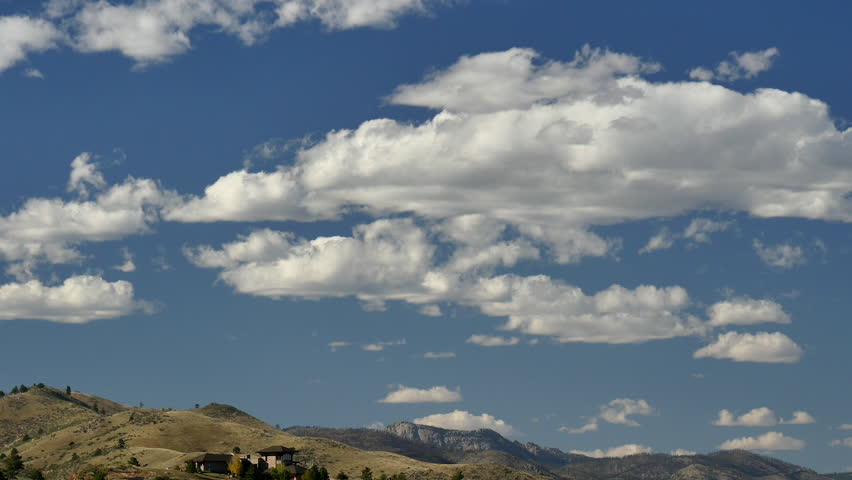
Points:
(465, 441)
(468, 446)
(483, 440)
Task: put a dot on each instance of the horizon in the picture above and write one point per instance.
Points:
(385, 428)
(611, 228)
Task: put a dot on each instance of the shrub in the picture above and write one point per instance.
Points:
(280, 472)
(98, 474)
(135, 462)
(35, 474)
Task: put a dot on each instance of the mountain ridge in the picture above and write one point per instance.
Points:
(472, 445)
(64, 433)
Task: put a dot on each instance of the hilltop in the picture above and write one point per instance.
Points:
(63, 434)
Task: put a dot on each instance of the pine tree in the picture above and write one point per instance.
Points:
(2, 394)
(341, 476)
(13, 464)
(67, 390)
(135, 461)
(323, 473)
(366, 474)
(191, 467)
(14, 390)
(458, 475)
(23, 389)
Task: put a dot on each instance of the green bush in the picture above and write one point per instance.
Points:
(35, 474)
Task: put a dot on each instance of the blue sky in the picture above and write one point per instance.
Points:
(613, 227)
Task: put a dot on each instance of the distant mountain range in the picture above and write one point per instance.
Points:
(454, 446)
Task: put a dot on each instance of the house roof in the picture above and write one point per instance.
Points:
(212, 457)
(296, 469)
(277, 449)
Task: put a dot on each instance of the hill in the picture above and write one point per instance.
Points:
(63, 434)
(422, 441)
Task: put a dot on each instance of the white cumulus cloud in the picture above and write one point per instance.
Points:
(78, 299)
(781, 256)
(152, 31)
(439, 355)
(395, 260)
(699, 229)
(680, 452)
(660, 241)
(742, 65)
(746, 311)
(620, 410)
(21, 35)
(439, 394)
(758, 417)
(591, 426)
(492, 340)
(346, 14)
(334, 345)
(127, 264)
(761, 347)
(618, 452)
(846, 442)
(609, 146)
(380, 346)
(463, 420)
(800, 417)
(769, 441)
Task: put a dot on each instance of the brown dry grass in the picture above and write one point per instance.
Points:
(67, 436)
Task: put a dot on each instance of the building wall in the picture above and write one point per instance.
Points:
(214, 467)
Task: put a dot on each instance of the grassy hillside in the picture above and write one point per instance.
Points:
(63, 434)
(44, 410)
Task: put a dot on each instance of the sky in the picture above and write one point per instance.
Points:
(605, 227)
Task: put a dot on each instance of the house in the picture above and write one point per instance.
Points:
(277, 456)
(212, 462)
